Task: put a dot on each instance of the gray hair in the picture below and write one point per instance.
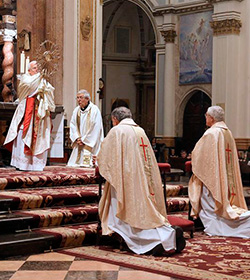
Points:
(121, 113)
(30, 64)
(85, 93)
(216, 112)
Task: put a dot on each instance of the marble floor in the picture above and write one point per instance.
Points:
(57, 266)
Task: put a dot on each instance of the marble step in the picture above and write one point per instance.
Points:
(5, 204)
(39, 218)
(24, 244)
(39, 241)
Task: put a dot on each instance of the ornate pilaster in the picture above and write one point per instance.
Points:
(8, 33)
(169, 35)
(226, 26)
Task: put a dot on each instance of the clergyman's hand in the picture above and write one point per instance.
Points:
(79, 142)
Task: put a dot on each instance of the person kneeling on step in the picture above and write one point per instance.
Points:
(132, 204)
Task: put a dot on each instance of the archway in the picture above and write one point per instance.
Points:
(194, 123)
(129, 37)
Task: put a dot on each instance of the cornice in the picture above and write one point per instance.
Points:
(226, 26)
(169, 35)
(183, 9)
(218, 1)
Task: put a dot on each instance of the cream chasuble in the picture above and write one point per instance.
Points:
(127, 162)
(215, 165)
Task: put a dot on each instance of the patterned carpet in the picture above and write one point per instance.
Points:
(51, 176)
(48, 197)
(203, 258)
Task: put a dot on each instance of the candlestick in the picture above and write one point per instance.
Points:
(22, 62)
(27, 62)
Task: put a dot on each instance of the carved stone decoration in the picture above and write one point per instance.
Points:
(7, 4)
(227, 26)
(8, 33)
(86, 26)
(8, 68)
(169, 35)
(24, 40)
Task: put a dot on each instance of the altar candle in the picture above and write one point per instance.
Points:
(22, 62)
(27, 62)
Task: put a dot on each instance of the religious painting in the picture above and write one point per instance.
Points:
(196, 39)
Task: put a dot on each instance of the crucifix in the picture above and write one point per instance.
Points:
(143, 146)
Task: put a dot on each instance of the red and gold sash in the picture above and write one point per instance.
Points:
(31, 110)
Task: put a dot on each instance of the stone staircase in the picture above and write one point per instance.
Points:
(47, 216)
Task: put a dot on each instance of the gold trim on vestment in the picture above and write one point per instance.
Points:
(146, 158)
(86, 158)
(229, 165)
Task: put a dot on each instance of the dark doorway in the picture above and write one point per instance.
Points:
(194, 122)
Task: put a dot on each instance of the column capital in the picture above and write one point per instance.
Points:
(169, 35)
(226, 26)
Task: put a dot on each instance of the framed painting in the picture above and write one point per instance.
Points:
(196, 41)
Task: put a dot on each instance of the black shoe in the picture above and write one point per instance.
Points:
(158, 250)
(180, 240)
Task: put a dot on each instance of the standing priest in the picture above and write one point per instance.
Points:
(133, 204)
(215, 189)
(29, 132)
(86, 131)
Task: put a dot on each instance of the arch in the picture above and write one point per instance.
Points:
(182, 105)
(146, 8)
(191, 126)
(181, 109)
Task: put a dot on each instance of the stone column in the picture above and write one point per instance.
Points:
(8, 33)
(231, 42)
(169, 35)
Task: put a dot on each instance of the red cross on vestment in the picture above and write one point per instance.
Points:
(143, 146)
(233, 194)
(228, 151)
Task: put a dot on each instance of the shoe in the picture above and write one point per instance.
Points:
(158, 250)
(180, 240)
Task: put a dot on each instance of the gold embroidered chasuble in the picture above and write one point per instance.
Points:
(127, 162)
(215, 164)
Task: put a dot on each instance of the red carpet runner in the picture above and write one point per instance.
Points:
(204, 257)
(51, 176)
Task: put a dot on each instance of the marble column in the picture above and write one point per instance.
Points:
(169, 35)
(8, 34)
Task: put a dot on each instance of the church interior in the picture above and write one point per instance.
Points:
(166, 60)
